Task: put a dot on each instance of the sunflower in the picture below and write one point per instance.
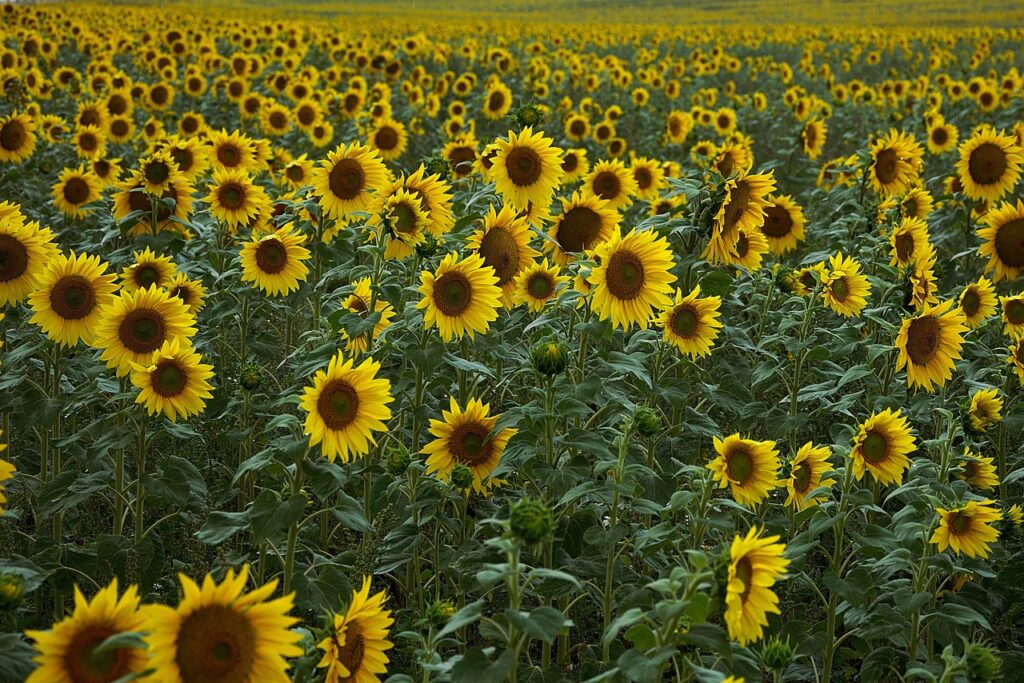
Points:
(692, 323)
(157, 172)
(175, 382)
(7, 471)
(191, 292)
(537, 284)
(75, 188)
(24, 254)
(497, 100)
(806, 473)
(504, 244)
(784, 224)
(942, 137)
(1003, 237)
(434, 195)
(749, 468)
(346, 180)
(575, 165)
(909, 242)
(895, 163)
(881, 447)
(357, 640)
(135, 324)
(358, 302)
(967, 529)
(845, 288)
(275, 262)
(191, 156)
(70, 297)
(527, 169)
(986, 409)
(756, 562)
(977, 302)
(649, 176)
(220, 633)
(742, 208)
(232, 151)
(17, 137)
(922, 287)
(990, 165)
(677, 126)
(577, 127)
(1016, 358)
(1013, 315)
(813, 137)
(460, 153)
(90, 142)
(917, 203)
(149, 269)
(66, 653)
(929, 345)
(298, 172)
(389, 138)
(275, 119)
(460, 297)
(344, 406)
(132, 201)
(978, 471)
(611, 181)
(634, 278)
(585, 222)
(748, 251)
(234, 199)
(405, 221)
(732, 159)
(467, 438)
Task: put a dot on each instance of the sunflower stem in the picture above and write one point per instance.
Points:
(613, 520)
(140, 489)
(293, 530)
(836, 566)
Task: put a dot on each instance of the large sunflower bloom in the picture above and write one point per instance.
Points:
(756, 562)
(986, 409)
(527, 169)
(504, 244)
(347, 179)
(460, 297)
(175, 382)
(24, 255)
(967, 530)
(990, 165)
(72, 294)
(929, 345)
(467, 438)
(784, 224)
(750, 468)
(585, 222)
(275, 262)
(1003, 240)
(743, 208)
(691, 322)
(633, 279)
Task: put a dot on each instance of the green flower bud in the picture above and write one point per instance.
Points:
(12, 590)
(531, 521)
(428, 247)
(397, 460)
(777, 654)
(982, 662)
(438, 165)
(439, 612)
(647, 421)
(462, 477)
(251, 377)
(550, 356)
(529, 115)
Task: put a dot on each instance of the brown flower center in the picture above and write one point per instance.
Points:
(72, 297)
(685, 321)
(886, 163)
(970, 303)
(1014, 312)
(500, 251)
(470, 444)
(577, 128)
(940, 136)
(347, 179)
(524, 166)
(231, 196)
(404, 219)
(12, 135)
(496, 101)
(777, 222)
(959, 523)
(13, 258)
(271, 255)
(875, 447)
(540, 286)
(904, 246)
(338, 405)
(923, 339)
(1009, 243)
(157, 172)
(579, 228)
(802, 477)
(229, 155)
(453, 294)
(216, 644)
(570, 163)
(739, 464)
(840, 289)
(351, 653)
(736, 206)
(461, 160)
(76, 191)
(643, 178)
(624, 276)
(169, 379)
(745, 573)
(85, 665)
(386, 139)
(142, 331)
(607, 185)
(987, 164)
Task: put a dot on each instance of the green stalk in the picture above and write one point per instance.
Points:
(293, 531)
(140, 489)
(613, 519)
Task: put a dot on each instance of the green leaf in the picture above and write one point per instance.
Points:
(543, 623)
(129, 640)
(349, 512)
(16, 662)
(475, 666)
(469, 614)
(220, 526)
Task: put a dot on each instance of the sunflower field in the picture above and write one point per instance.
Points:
(540, 342)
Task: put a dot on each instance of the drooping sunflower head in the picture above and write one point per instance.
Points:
(468, 438)
(504, 245)
(71, 296)
(692, 322)
(527, 169)
(460, 297)
(813, 136)
(844, 288)
(986, 409)
(990, 164)
(345, 405)
(784, 224)
(354, 649)
(585, 222)
(633, 279)
(1003, 240)
(749, 468)
(978, 471)
(743, 208)
(218, 632)
(967, 530)
(347, 179)
(807, 473)
(135, 324)
(276, 262)
(756, 562)
(929, 345)
(881, 447)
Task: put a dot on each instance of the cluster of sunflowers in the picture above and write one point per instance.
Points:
(646, 354)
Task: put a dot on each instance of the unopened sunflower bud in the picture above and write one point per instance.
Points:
(437, 165)
(462, 477)
(550, 356)
(529, 115)
(12, 590)
(777, 654)
(647, 422)
(982, 663)
(397, 460)
(251, 377)
(439, 612)
(530, 521)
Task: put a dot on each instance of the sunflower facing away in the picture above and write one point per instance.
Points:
(967, 530)
(756, 563)
(467, 438)
(358, 302)
(66, 653)
(633, 279)
(218, 632)
(135, 324)
(1003, 240)
(504, 244)
(527, 169)
(978, 471)
(71, 296)
(585, 222)
(881, 447)
(357, 640)
(844, 288)
(538, 284)
(346, 180)
(275, 262)
(977, 302)
(986, 409)
(175, 382)
(750, 468)
(460, 297)
(345, 405)
(929, 345)
(692, 322)
(806, 473)
(990, 165)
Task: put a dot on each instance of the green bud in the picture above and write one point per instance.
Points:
(777, 654)
(397, 459)
(982, 662)
(529, 115)
(531, 521)
(647, 421)
(428, 247)
(462, 477)
(550, 356)
(12, 590)
(251, 377)
(437, 165)
(439, 612)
